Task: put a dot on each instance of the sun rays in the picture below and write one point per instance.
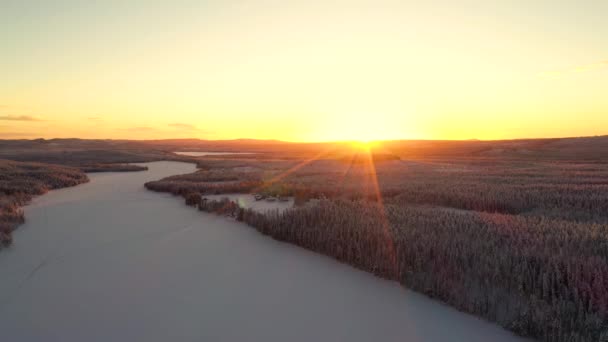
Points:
(359, 171)
(384, 223)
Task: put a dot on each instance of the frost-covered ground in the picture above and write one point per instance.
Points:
(110, 261)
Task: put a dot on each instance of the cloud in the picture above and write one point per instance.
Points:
(139, 129)
(8, 135)
(190, 129)
(183, 126)
(179, 129)
(19, 118)
(94, 118)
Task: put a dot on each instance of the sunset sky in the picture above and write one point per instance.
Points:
(303, 70)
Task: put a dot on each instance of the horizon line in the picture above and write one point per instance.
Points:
(314, 142)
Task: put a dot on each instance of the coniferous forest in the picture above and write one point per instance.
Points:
(523, 243)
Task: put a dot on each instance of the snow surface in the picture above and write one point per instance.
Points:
(110, 261)
(248, 201)
(202, 154)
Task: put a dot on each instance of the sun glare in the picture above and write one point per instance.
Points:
(361, 131)
(364, 144)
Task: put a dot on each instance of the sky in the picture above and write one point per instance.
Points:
(315, 70)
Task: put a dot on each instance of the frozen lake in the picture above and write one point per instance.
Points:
(110, 261)
(201, 154)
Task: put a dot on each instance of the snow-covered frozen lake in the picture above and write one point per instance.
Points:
(202, 154)
(111, 261)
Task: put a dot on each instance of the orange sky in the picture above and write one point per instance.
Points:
(304, 71)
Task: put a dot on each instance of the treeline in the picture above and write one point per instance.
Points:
(182, 187)
(541, 278)
(82, 155)
(90, 168)
(224, 206)
(569, 202)
(20, 182)
(208, 182)
(11, 216)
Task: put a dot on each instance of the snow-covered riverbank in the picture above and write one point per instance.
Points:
(110, 261)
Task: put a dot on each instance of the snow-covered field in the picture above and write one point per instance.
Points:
(110, 261)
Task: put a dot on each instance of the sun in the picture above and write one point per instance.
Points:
(364, 144)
